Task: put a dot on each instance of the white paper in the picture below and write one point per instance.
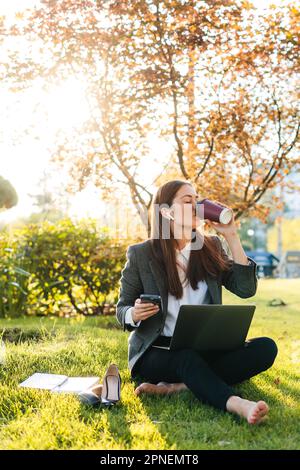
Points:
(77, 384)
(44, 381)
(59, 383)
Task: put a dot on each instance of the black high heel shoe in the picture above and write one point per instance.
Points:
(111, 386)
(110, 392)
(92, 396)
(89, 398)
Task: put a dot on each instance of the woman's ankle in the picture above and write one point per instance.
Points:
(233, 404)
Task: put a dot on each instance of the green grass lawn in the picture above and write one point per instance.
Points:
(31, 419)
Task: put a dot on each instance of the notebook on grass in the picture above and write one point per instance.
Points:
(59, 383)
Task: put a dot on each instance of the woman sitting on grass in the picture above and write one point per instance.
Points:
(183, 272)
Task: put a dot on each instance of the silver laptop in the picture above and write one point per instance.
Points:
(209, 327)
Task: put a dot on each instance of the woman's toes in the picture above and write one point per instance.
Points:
(140, 389)
(162, 388)
(258, 412)
(146, 388)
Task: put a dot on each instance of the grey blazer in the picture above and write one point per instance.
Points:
(142, 274)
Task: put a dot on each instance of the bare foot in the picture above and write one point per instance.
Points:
(254, 412)
(162, 388)
(257, 412)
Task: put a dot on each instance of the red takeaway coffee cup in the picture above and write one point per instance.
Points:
(216, 212)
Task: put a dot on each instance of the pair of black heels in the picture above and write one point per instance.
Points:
(110, 392)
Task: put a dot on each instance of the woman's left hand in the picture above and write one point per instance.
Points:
(227, 230)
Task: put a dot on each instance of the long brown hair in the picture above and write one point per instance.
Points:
(203, 262)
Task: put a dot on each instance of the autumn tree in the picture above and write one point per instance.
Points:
(213, 78)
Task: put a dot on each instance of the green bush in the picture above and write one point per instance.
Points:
(59, 268)
(13, 280)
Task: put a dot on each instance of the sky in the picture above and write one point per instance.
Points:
(24, 162)
(11, 6)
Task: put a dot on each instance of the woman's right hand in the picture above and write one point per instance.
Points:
(142, 311)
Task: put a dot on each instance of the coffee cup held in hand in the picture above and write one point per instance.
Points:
(216, 212)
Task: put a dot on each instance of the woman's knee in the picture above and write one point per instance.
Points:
(267, 350)
(187, 353)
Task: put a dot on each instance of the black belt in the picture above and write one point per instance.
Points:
(162, 341)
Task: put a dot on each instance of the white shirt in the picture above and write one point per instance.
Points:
(189, 297)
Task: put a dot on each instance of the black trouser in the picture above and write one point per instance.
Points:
(208, 375)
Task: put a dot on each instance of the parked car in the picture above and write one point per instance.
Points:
(266, 262)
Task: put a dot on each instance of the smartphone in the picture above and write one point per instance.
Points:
(152, 298)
